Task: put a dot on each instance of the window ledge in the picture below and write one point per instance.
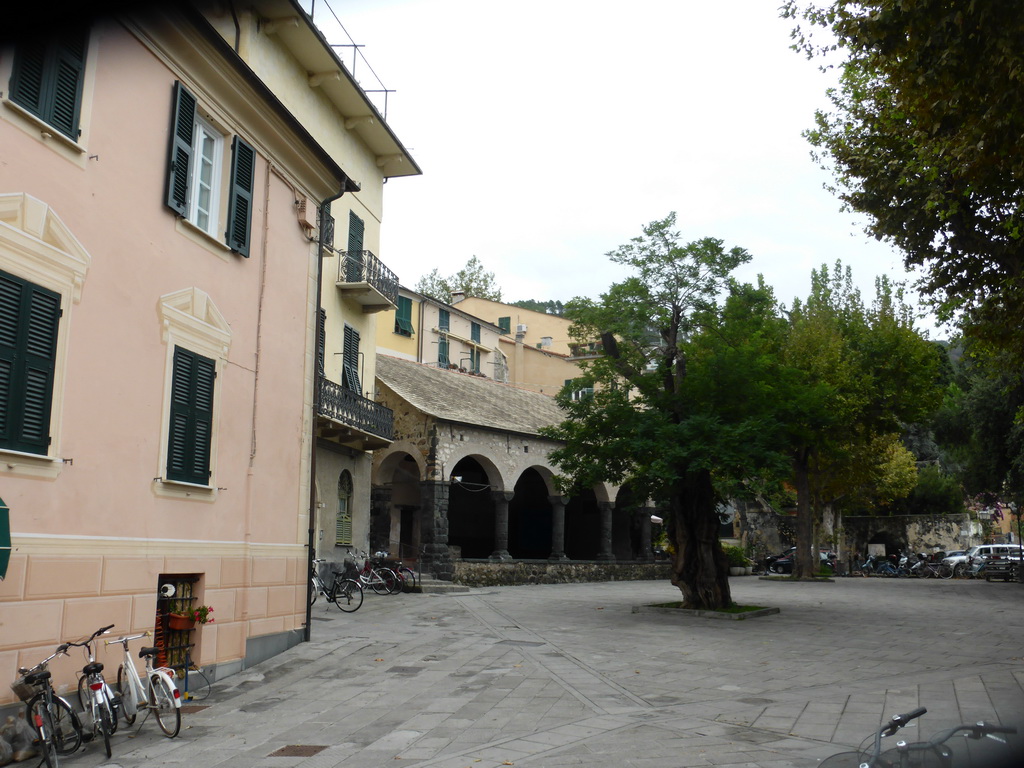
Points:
(22, 464)
(203, 238)
(46, 131)
(178, 489)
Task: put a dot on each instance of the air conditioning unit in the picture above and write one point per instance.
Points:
(520, 328)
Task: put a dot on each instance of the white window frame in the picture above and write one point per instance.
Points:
(191, 320)
(37, 246)
(204, 131)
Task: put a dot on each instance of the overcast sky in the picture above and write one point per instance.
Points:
(550, 131)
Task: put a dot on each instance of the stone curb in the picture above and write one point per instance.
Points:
(705, 614)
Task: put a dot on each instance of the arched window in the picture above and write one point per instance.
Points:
(344, 524)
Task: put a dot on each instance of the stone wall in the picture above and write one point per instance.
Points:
(912, 533)
(486, 574)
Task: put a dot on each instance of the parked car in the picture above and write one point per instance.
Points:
(1004, 567)
(962, 564)
(784, 563)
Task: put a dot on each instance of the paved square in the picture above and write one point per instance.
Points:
(568, 675)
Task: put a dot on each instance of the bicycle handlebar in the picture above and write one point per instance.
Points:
(93, 636)
(899, 721)
(125, 639)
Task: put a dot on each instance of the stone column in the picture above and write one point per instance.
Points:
(645, 555)
(604, 552)
(436, 559)
(501, 500)
(558, 528)
(380, 519)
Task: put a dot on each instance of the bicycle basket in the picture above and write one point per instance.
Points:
(23, 690)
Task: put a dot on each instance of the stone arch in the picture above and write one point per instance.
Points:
(530, 515)
(487, 461)
(397, 482)
(385, 463)
(583, 524)
(473, 481)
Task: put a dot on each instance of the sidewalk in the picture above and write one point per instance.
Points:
(568, 675)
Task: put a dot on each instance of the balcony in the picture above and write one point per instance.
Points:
(363, 278)
(350, 419)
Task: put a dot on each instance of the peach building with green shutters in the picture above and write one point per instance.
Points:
(190, 207)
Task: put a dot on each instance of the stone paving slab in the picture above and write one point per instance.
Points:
(566, 675)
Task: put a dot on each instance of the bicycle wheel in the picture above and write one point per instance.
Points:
(377, 583)
(312, 594)
(42, 723)
(945, 572)
(161, 699)
(67, 728)
(106, 724)
(127, 694)
(392, 581)
(348, 595)
(408, 576)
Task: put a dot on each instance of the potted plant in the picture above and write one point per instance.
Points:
(737, 560)
(188, 619)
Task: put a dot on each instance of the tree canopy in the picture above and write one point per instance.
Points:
(472, 279)
(924, 138)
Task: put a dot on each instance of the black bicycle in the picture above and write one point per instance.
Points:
(934, 753)
(57, 727)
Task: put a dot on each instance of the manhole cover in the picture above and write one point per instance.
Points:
(518, 642)
(191, 709)
(405, 670)
(298, 750)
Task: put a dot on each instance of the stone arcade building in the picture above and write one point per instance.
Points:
(468, 477)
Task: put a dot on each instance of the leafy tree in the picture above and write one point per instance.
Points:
(936, 493)
(924, 138)
(547, 307)
(472, 279)
(853, 375)
(674, 410)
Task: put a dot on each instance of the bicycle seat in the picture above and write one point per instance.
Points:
(144, 652)
(93, 668)
(38, 677)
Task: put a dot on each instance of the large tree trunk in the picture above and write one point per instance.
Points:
(803, 564)
(699, 567)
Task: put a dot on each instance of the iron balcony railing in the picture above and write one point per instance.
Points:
(364, 267)
(352, 409)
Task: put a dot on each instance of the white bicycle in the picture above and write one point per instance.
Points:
(158, 695)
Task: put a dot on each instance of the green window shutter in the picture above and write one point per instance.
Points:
(243, 166)
(474, 332)
(191, 427)
(403, 316)
(505, 323)
(350, 360)
(354, 265)
(47, 78)
(442, 352)
(29, 318)
(180, 157)
(444, 320)
(343, 530)
(69, 70)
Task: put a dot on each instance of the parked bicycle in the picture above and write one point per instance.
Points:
(158, 694)
(936, 752)
(926, 568)
(346, 593)
(95, 696)
(381, 580)
(57, 727)
(406, 575)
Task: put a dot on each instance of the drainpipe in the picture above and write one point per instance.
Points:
(325, 208)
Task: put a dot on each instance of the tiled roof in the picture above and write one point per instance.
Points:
(454, 396)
